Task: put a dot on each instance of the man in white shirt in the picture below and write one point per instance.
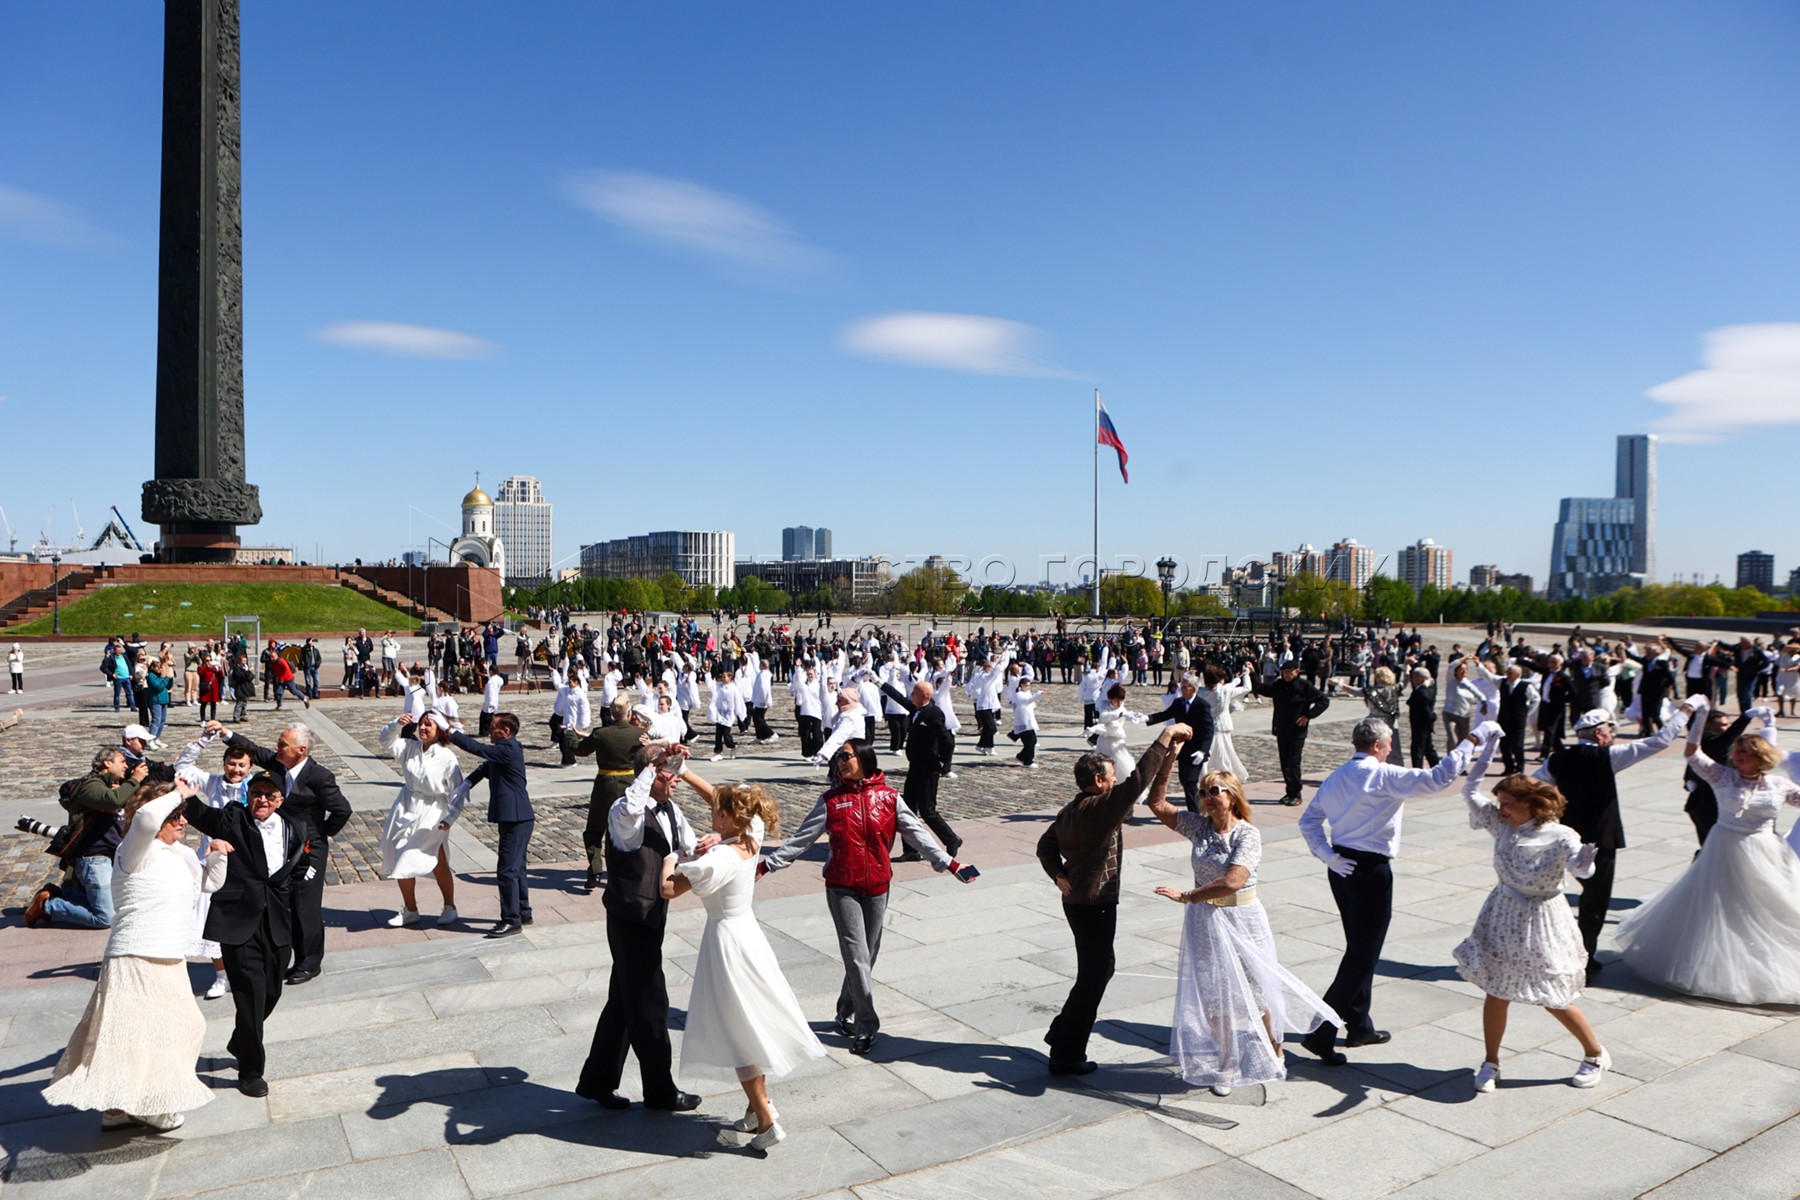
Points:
(1362, 802)
(490, 701)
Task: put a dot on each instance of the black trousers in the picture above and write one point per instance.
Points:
(1089, 714)
(1551, 726)
(509, 871)
(812, 736)
(1698, 687)
(1596, 898)
(593, 839)
(988, 721)
(1703, 811)
(1512, 746)
(485, 724)
(759, 718)
(722, 738)
(1365, 901)
(869, 728)
(556, 739)
(254, 969)
(946, 761)
(1424, 743)
(920, 794)
(307, 899)
(896, 724)
(636, 1016)
(1292, 744)
(1187, 770)
(1094, 926)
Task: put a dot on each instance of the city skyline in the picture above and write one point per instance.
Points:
(1250, 214)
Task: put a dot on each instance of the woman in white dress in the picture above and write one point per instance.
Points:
(432, 794)
(1729, 926)
(1109, 731)
(1225, 697)
(743, 1021)
(1787, 679)
(133, 1053)
(1525, 947)
(1234, 1001)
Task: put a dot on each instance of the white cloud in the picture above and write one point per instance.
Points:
(721, 230)
(29, 217)
(951, 341)
(406, 341)
(1751, 377)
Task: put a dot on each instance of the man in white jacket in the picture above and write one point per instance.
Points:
(725, 710)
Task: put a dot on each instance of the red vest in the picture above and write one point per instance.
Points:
(859, 819)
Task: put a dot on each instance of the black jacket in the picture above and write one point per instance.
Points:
(1293, 700)
(1197, 715)
(503, 766)
(927, 736)
(315, 797)
(253, 894)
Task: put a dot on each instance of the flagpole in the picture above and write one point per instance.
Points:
(1096, 502)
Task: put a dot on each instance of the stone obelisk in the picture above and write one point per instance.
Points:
(199, 497)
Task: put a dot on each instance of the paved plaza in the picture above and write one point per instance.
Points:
(434, 1063)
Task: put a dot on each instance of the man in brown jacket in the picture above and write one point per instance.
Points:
(1082, 852)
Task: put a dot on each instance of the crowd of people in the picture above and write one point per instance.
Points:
(250, 900)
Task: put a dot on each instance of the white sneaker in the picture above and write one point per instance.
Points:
(1488, 1078)
(1219, 1089)
(716, 758)
(1031, 766)
(118, 1118)
(950, 775)
(749, 1122)
(448, 916)
(220, 985)
(163, 1122)
(1590, 1070)
(405, 916)
(774, 737)
(768, 1137)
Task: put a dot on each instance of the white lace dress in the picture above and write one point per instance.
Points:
(743, 1019)
(1110, 725)
(1224, 757)
(432, 793)
(1729, 927)
(1525, 946)
(1229, 976)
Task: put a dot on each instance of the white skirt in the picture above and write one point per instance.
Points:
(136, 1046)
(411, 839)
(743, 1018)
(1224, 757)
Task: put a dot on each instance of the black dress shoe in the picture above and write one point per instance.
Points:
(503, 930)
(253, 1085)
(911, 855)
(680, 1102)
(300, 975)
(1080, 1068)
(1375, 1037)
(952, 846)
(605, 1099)
(525, 920)
(862, 1044)
(1323, 1042)
(1291, 801)
(846, 1027)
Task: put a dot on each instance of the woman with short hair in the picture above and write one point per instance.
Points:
(432, 794)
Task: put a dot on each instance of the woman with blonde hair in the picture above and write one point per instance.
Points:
(432, 795)
(1234, 1002)
(743, 1021)
(1729, 926)
(1525, 947)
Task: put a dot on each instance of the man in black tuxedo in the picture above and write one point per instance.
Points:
(1553, 706)
(1297, 702)
(309, 791)
(928, 744)
(509, 808)
(1517, 695)
(1191, 709)
(249, 914)
(1421, 714)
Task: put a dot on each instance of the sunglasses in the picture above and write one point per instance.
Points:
(1216, 791)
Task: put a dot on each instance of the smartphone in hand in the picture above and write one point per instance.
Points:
(967, 873)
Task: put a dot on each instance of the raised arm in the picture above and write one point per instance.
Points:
(1157, 801)
(140, 839)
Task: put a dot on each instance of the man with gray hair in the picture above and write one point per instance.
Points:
(311, 792)
(1361, 801)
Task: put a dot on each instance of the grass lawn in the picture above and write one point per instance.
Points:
(199, 610)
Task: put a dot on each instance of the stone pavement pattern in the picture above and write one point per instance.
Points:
(437, 1064)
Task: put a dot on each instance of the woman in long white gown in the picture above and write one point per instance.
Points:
(432, 794)
(1729, 926)
(1225, 697)
(1109, 728)
(1234, 1001)
(743, 1020)
(1525, 947)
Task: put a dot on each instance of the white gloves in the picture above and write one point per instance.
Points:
(1338, 865)
(1763, 713)
(1582, 865)
(1489, 732)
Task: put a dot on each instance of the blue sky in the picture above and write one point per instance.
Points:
(1374, 270)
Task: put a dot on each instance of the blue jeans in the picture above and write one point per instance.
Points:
(312, 682)
(122, 690)
(287, 685)
(92, 905)
(159, 716)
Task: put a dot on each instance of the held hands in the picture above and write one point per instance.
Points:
(220, 846)
(1584, 858)
(1340, 866)
(212, 729)
(762, 867)
(706, 843)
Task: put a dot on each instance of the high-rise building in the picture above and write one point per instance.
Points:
(522, 523)
(1426, 564)
(1601, 545)
(1756, 569)
(797, 543)
(1635, 481)
(821, 543)
(855, 580)
(1523, 584)
(699, 557)
(1305, 560)
(1351, 562)
(1482, 576)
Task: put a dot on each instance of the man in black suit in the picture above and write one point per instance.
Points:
(509, 808)
(249, 914)
(1297, 702)
(1517, 695)
(928, 743)
(1554, 698)
(1421, 714)
(310, 792)
(1191, 709)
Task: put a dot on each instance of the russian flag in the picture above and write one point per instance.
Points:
(1109, 436)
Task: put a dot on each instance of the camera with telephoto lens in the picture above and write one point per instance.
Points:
(32, 825)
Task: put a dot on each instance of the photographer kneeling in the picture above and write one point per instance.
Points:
(87, 900)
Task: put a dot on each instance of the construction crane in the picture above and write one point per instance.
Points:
(129, 532)
(80, 531)
(12, 539)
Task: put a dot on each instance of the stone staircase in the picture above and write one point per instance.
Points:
(40, 603)
(393, 599)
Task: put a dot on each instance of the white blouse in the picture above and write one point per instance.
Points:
(155, 884)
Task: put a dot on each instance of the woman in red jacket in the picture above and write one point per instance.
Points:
(860, 814)
(212, 688)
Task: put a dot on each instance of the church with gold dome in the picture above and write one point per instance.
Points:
(479, 545)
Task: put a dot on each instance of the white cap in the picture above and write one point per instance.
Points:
(137, 731)
(1593, 718)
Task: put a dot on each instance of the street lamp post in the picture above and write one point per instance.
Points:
(1165, 571)
(56, 593)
